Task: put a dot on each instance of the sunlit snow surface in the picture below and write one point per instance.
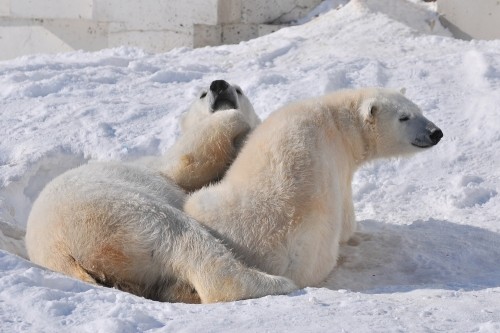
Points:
(428, 251)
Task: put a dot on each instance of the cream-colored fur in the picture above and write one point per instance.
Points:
(285, 204)
(122, 225)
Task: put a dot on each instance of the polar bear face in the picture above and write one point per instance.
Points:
(398, 124)
(219, 97)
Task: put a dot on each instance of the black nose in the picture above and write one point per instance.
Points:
(436, 135)
(218, 86)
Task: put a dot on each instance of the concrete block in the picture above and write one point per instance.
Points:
(18, 40)
(301, 9)
(235, 33)
(52, 9)
(207, 35)
(145, 14)
(266, 29)
(479, 19)
(20, 36)
(154, 14)
(120, 26)
(310, 4)
(151, 41)
(155, 25)
(229, 11)
(275, 11)
(79, 34)
(263, 11)
(4, 7)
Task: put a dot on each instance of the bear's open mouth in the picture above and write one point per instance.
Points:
(223, 102)
(421, 144)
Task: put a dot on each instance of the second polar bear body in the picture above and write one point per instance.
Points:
(285, 204)
(122, 225)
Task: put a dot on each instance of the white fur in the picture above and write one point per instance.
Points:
(121, 225)
(285, 204)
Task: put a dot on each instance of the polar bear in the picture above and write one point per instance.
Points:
(121, 225)
(212, 132)
(285, 204)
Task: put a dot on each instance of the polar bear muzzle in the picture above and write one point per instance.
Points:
(222, 96)
(428, 137)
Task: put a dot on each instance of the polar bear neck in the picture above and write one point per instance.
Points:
(357, 135)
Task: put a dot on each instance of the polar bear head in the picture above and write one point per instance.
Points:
(397, 124)
(213, 132)
(219, 97)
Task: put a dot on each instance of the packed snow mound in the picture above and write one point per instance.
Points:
(427, 252)
(414, 14)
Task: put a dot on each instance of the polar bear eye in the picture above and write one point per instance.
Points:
(404, 118)
(238, 91)
(203, 94)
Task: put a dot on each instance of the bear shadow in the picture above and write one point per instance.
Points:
(387, 258)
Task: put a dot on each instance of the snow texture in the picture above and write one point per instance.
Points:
(427, 256)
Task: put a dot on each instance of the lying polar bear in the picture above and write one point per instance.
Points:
(121, 225)
(285, 204)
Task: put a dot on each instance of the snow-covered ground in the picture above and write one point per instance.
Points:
(429, 259)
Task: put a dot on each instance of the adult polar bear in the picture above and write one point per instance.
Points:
(285, 204)
(121, 224)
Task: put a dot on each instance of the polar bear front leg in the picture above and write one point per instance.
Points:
(349, 218)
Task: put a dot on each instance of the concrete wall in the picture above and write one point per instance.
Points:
(51, 9)
(471, 19)
(48, 26)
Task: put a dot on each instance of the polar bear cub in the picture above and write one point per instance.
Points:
(285, 204)
(121, 225)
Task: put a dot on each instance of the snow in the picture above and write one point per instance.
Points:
(427, 257)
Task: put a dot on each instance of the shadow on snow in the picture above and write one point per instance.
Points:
(386, 258)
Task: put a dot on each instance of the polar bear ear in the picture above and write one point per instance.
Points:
(402, 91)
(369, 110)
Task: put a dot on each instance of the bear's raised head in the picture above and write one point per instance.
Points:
(396, 124)
(219, 97)
(213, 131)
